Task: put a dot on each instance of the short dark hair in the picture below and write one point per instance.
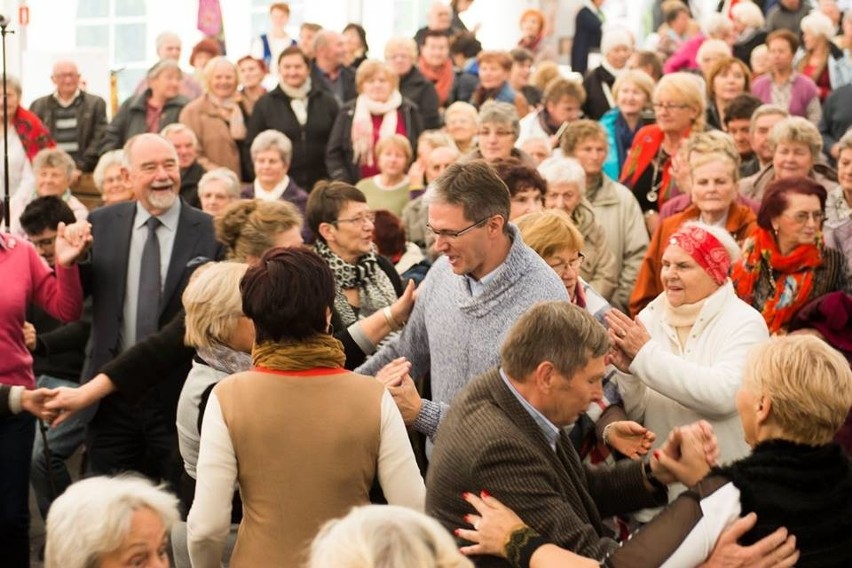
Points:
(326, 201)
(388, 234)
(436, 33)
(521, 55)
(45, 213)
(650, 59)
(673, 10)
(775, 199)
(466, 44)
(742, 107)
(786, 35)
(362, 34)
(288, 294)
(476, 187)
(294, 50)
(519, 177)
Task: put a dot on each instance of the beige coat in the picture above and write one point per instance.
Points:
(599, 269)
(216, 146)
(754, 186)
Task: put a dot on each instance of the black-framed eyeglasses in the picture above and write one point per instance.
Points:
(362, 219)
(447, 234)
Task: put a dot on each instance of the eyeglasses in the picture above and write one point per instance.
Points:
(575, 264)
(669, 106)
(801, 217)
(362, 219)
(498, 133)
(447, 234)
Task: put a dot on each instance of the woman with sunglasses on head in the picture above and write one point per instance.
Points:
(785, 263)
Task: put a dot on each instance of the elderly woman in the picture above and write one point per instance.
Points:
(685, 352)
(378, 111)
(783, 85)
(217, 189)
(796, 147)
(563, 100)
(632, 92)
(680, 105)
(498, 132)
(385, 537)
(217, 117)
(818, 57)
(108, 179)
(795, 393)
(271, 153)
(616, 48)
(390, 188)
(460, 123)
(838, 208)
(748, 21)
(616, 210)
(713, 169)
(53, 169)
(369, 302)
(251, 72)
(289, 296)
(103, 521)
(566, 190)
(728, 77)
(31, 137)
(494, 69)
(156, 107)
(785, 263)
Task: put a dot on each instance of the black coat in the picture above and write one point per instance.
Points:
(596, 103)
(189, 179)
(273, 112)
(130, 119)
(347, 76)
(587, 38)
(419, 90)
(339, 154)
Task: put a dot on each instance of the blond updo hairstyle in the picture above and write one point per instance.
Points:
(248, 227)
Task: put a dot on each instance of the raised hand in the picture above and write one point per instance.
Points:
(626, 334)
(72, 241)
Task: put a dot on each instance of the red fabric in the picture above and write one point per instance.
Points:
(792, 285)
(33, 133)
(152, 117)
(370, 171)
(645, 146)
(705, 249)
(442, 78)
(28, 280)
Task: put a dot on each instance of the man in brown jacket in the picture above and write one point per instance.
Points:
(504, 434)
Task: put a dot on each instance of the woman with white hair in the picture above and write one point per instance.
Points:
(108, 179)
(616, 47)
(714, 26)
(103, 522)
(818, 58)
(748, 21)
(566, 190)
(389, 536)
(218, 118)
(217, 189)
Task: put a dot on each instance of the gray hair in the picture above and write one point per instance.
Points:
(160, 66)
(819, 24)
(93, 517)
(845, 142)
(106, 161)
(163, 37)
(210, 68)
(748, 14)
(558, 332)
(494, 112)
(224, 175)
(15, 84)
(797, 130)
(715, 25)
(272, 140)
(766, 110)
(54, 158)
(559, 169)
(385, 535)
(177, 128)
(406, 43)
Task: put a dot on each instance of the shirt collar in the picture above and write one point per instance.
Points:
(169, 218)
(477, 287)
(548, 428)
(66, 102)
(274, 193)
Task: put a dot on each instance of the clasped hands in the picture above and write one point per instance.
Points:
(396, 378)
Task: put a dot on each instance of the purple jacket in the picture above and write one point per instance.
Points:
(804, 91)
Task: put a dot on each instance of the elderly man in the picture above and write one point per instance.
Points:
(485, 280)
(760, 127)
(169, 47)
(401, 53)
(76, 119)
(439, 18)
(328, 70)
(136, 276)
(185, 141)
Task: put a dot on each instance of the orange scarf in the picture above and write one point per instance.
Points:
(443, 78)
(792, 286)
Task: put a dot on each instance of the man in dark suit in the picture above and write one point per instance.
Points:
(136, 275)
(504, 433)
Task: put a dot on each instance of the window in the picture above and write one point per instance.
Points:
(409, 16)
(119, 28)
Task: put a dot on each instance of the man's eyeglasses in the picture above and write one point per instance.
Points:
(575, 264)
(362, 219)
(447, 234)
(801, 217)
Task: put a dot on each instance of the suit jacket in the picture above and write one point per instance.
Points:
(105, 274)
(488, 440)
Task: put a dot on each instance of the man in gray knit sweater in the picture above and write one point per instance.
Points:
(486, 278)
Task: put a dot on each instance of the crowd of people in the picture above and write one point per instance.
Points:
(340, 307)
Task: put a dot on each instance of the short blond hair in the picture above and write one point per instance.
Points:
(796, 130)
(210, 68)
(549, 231)
(688, 89)
(808, 383)
(213, 304)
(372, 67)
(406, 43)
(705, 147)
(462, 108)
(397, 141)
(637, 77)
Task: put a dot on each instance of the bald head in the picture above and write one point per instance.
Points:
(438, 160)
(152, 171)
(440, 17)
(329, 50)
(66, 77)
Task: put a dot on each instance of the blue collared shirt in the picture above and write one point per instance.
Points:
(548, 428)
(477, 287)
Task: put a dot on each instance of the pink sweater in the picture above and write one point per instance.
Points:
(27, 279)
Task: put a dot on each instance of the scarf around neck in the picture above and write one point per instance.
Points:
(225, 359)
(362, 125)
(298, 99)
(375, 289)
(443, 78)
(317, 351)
(791, 277)
(231, 113)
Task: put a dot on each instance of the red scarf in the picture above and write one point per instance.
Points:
(442, 77)
(33, 133)
(790, 289)
(646, 144)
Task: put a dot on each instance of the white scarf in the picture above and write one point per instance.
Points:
(362, 125)
(298, 99)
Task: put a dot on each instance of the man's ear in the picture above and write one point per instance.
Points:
(544, 376)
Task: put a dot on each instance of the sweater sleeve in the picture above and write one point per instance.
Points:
(60, 296)
(209, 519)
(399, 475)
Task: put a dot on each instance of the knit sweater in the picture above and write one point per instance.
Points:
(456, 336)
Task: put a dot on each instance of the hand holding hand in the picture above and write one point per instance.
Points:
(687, 455)
(407, 399)
(30, 336)
(72, 241)
(33, 401)
(629, 438)
(392, 374)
